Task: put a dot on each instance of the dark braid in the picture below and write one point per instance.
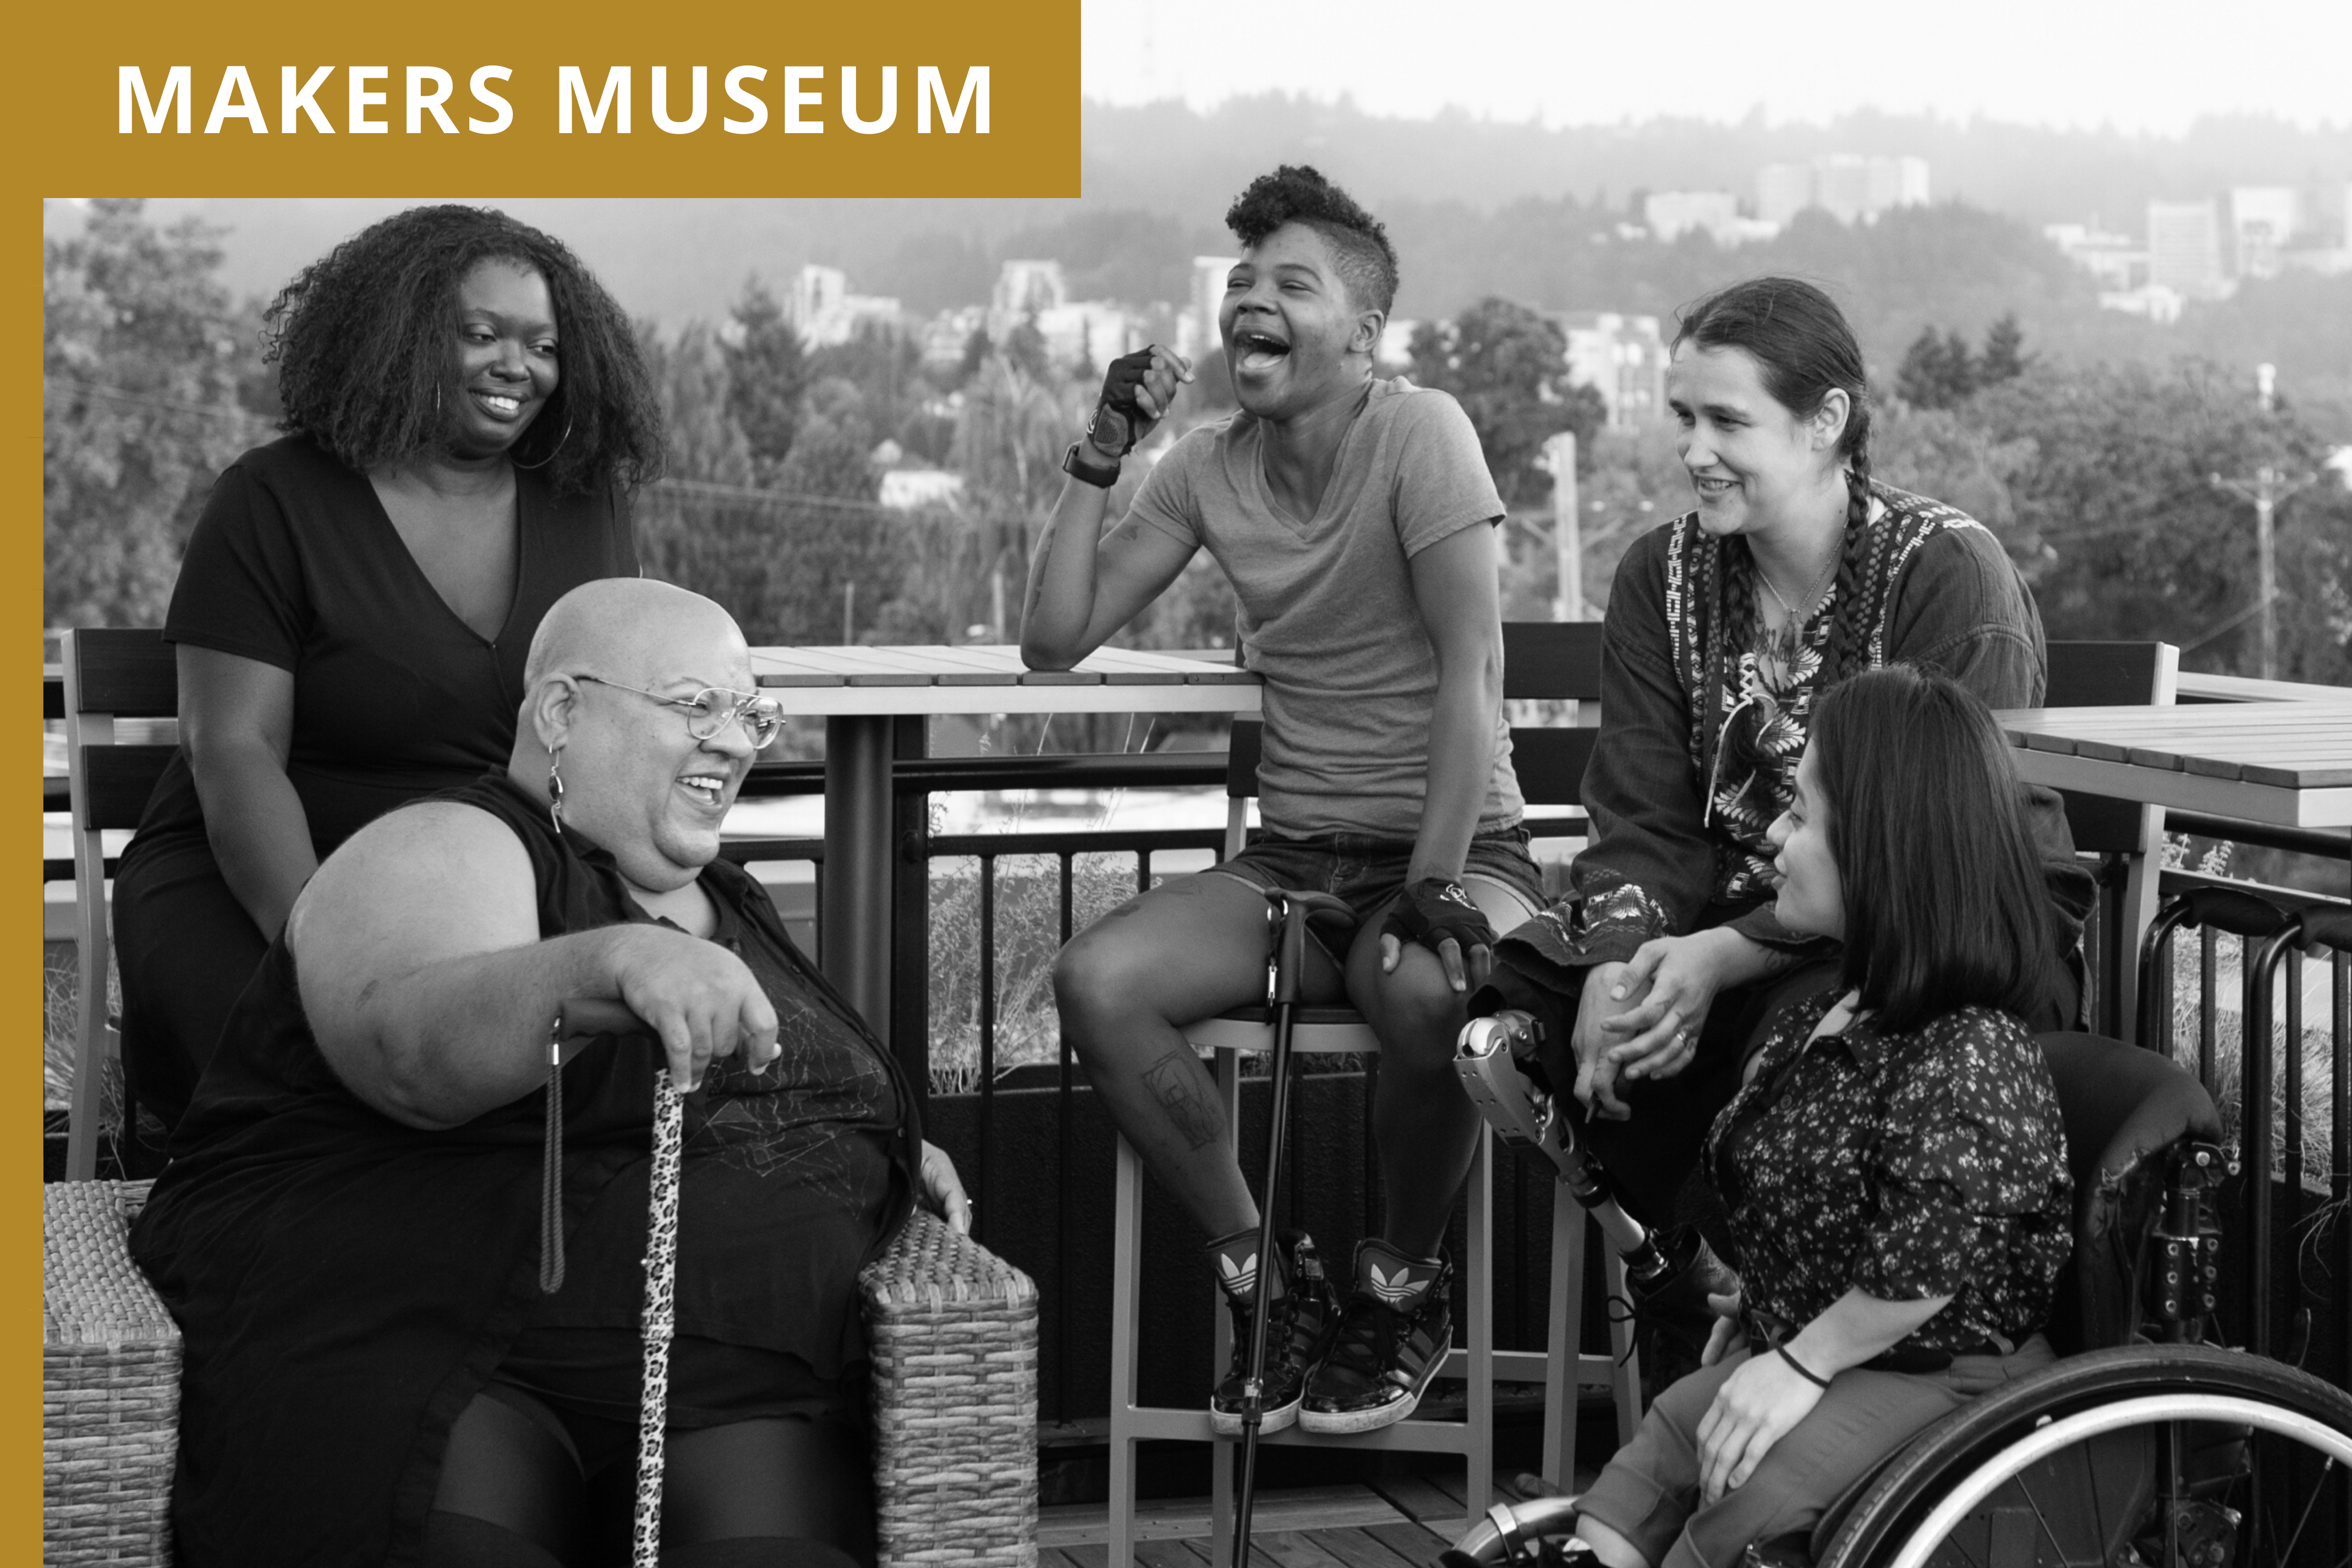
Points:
(1846, 627)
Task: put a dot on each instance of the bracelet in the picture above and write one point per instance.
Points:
(1802, 1370)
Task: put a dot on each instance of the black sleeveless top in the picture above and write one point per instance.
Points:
(346, 1284)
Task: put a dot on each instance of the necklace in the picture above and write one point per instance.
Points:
(1781, 644)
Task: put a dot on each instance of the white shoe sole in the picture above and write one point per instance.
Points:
(1271, 1422)
(1340, 1423)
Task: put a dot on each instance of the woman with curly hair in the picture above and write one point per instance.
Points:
(467, 415)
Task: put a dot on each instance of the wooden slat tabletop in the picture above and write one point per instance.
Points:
(2286, 745)
(980, 665)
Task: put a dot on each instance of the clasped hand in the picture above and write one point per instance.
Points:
(1642, 1018)
(1139, 387)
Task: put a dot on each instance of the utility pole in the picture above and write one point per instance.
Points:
(2269, 487)
(1567, 527)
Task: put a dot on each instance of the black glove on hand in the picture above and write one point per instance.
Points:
(1434, 909)
(1120, 382)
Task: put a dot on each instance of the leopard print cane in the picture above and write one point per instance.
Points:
(660, 1319)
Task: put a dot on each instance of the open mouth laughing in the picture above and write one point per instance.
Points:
(708, 790)
(1256, 353)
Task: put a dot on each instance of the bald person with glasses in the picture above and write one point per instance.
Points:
(407, 1268)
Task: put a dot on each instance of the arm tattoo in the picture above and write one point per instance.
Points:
(1174, 1081)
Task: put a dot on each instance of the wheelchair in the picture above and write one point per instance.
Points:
(2143, 1446)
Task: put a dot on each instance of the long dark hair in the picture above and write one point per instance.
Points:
(1805, 349)
(364, 341)
(1944, 906)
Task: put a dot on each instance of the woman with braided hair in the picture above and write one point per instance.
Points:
(1660, 971)
(466, 414)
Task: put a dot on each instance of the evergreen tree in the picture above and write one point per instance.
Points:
(1937, 371)
(1507, 365)
(2004, 357)
(766, 375)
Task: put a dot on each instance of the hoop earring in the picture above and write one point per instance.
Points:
(555, 789)
(551, 450)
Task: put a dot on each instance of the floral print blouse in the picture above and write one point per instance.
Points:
(1926, 1163)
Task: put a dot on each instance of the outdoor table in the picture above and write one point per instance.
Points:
(2281, 765)
(859, 691)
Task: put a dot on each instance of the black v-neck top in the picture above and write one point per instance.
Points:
(295, 564)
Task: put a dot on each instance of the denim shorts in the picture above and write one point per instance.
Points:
(1368, 872)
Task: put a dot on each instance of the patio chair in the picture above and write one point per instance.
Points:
(1542, 660)
(952, 1330)
(119, 683)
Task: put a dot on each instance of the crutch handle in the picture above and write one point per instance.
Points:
(1292, 909)
(597, 1015)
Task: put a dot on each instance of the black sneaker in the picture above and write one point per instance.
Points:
(1298, 1327)
(1391, 1340)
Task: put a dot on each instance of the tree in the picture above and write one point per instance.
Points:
(2004, 357)
(1508, 366)
(142, 362)
(766, 373)
(1937, 371)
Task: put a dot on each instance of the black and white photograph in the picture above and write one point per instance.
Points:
(1575, 790)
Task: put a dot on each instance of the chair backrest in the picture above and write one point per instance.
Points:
(111, 674)
(1542, 661)
(2109, 675)
(2125, 1110)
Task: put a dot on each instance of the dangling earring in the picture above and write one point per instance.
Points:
(551, 450)
(555, 789)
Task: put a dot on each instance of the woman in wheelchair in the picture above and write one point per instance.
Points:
(1893, 1166)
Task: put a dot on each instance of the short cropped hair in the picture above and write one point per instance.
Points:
(1945, 902)
(1296, 193)
(363, 339)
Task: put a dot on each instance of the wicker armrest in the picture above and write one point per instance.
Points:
(954, 1332)
(110, 1384)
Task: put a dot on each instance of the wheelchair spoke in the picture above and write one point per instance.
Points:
(2026, 1487)
(2319, 1489)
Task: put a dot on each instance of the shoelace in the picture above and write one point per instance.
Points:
(1368, 1339)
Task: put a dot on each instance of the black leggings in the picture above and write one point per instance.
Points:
(523, 1487)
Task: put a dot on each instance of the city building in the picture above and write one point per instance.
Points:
(2184, 248)
(1850, 188)
(2262, 219)
(1023, 289)
(945, 336)
(820, 307)
(1196, 323)
(1087, 333)
(2112, 259)
(1621, 357)
(1673, 214)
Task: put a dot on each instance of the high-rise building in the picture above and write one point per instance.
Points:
(2263, 219)
(1196, 324)
(2184, 248)
(1621, 357)
(820, 307)
(1024, 289)
(1848, 187)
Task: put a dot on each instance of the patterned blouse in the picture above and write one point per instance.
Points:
(1928, 1164)
(1700, 737)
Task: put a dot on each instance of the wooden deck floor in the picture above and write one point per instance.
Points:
(1398, 1524)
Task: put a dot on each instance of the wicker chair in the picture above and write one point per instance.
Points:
(954, 1336)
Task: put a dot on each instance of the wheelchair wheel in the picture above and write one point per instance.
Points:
(2147, 1456)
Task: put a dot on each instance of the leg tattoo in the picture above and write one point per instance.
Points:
(1175, 1082)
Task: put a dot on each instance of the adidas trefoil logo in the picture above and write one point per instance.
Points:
(1240, 1279)
(1395, 1288)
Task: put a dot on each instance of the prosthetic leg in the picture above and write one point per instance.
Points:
(1668, 1285)
(1292, 911)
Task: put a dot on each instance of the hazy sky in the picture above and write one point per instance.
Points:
(2153, 66)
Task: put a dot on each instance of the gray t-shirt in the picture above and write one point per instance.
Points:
(1328, 613)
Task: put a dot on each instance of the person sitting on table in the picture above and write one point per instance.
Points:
(466, 414)
(350, 1232)
(1657, 976)
(1893, 1166)
(1357, 521)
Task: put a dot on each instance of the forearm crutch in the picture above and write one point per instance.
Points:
(581, 1018)
(1291, 911)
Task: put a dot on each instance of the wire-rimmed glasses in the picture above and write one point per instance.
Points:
(712, 708)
